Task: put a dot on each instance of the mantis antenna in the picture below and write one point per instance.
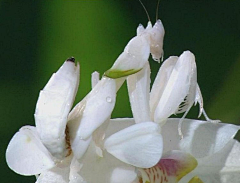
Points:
(145, 10)
(157, 10)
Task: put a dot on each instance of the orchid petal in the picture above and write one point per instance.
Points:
(132, 59)
(171, 168)
(94, 109)
(177, 87)
(106, 169)
(26, 155)
(138, 90)
(118, 124)
(58, 174)
(201, 138)
(221, 167)
(53, 106)
(139, 145)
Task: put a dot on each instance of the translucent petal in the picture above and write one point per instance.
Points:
(138, 91)
(26, 155)
(94, 109)
(58, 174)
(221, 167)
(53, 106)
(107, 169)
(171, 168)
(118, 124)
(139, 145)
(201, 138)
(177, 87)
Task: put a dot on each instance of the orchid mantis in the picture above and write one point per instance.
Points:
(175, 89)
(74, 139)
(136, 53)
(179, 75)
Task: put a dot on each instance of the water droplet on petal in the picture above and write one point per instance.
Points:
(109, 99)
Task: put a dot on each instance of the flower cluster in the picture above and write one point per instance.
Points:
(84, 145)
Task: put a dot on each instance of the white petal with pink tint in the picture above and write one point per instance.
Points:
(171, 168)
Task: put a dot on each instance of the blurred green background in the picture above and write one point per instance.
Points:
(37, 36)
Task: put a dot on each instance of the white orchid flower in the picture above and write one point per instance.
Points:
(213, 146)
(172, 166)
(208, 151)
